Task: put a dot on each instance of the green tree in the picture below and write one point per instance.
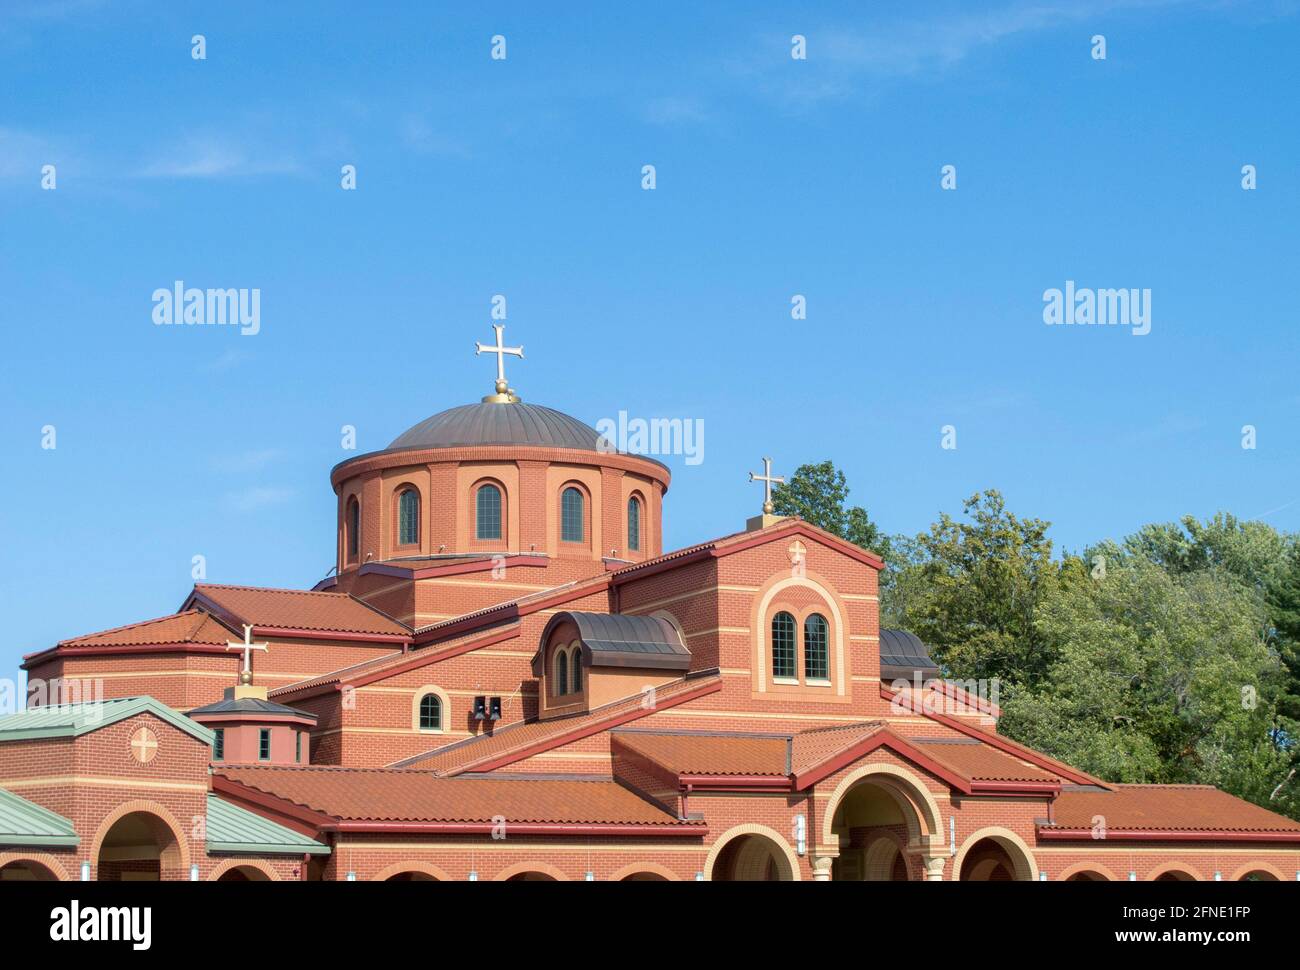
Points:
(819, 494)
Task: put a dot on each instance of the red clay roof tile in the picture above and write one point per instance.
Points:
(1172, 808)
(190, 626)
(297, 609)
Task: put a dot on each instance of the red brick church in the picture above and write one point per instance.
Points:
(507, 677)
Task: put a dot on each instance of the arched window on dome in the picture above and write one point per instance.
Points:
(816, 659)
(576, 682)
(561, 672)
(783, 646)
(430, 713)
(352, 525)
(487, 512)
(408, 517)
(634, 524)
(572, 527)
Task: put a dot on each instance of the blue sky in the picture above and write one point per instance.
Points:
(775, 177)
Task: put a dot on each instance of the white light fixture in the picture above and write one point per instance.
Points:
(194, 872)
(1218, 876)
(85, 871)
(473, 875)
(952, 834)
(801, 833)
(699, 876)
(1042, 875)
(352, 877)
(1132, 876)
(591, 876)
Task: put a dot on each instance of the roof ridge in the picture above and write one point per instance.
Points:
(128, 626)
(273, 589)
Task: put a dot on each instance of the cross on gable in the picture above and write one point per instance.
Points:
(501, 350)
(767, 478)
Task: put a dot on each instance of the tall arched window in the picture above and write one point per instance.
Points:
(353, 525)
(571, 516)
(408, 517)
(561, 673)
(577, 670)
(816, 660)
(430, 713)
(487, 511)
(634, 524)
(783, 646)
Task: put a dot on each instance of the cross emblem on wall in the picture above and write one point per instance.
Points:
(143, 745)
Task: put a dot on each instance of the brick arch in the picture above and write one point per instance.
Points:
(227, 864)
(519, 867)
(175, 857)
(1174, 866)
(399, 867)
(634, 868)
(419, 695)
(750, 828)
(921, 811)
(1079, 867)
(1021, 856)
(52, 863)
(1250, 867)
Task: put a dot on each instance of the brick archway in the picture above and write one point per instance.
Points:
(791, 861)
(1172, 867)
(1250, 867)
(922, 819)
(522, 867)
(1021, 856)
(397, 868)
(174, 859)
(1079, 867)
(645, 867)
(43, 859)
(227, 865)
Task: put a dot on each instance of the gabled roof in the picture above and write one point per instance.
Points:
(979, 762)
(296, 611)
(251, 705)
(387, 799)
(518, 741)
(231, 828)
(26, 823)
(709, 753)
(74, 720)
(1164, 812)
(619, 640)
(189, 628)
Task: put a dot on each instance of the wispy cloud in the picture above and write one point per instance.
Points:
(675, 111)
(258, 497)
(210, 157)
(255, 459)
(419, 135)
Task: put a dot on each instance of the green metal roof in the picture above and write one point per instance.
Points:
(26, 823)
(235, 829)
(73, 720)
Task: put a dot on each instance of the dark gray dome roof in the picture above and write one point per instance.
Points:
(499, 424)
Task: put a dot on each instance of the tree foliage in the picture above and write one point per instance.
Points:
(819, 494)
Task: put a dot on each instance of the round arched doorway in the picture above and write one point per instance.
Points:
(26, 870)
(139, 847)
(411, 875)
(995, 858)
(243, 874)
(874, 821)
(1086, 875)
(531, 875)
(751, 857)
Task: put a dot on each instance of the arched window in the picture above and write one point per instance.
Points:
(816, 661)
(577, 670)
(783, 646)
(571, 516)
(561, 673)
(430, 713)
(634, 524)
(353, 527)
(488, 513)
(408, 517)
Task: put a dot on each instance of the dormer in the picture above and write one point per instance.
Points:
(587, 660)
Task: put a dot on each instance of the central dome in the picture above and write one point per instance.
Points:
(499, 424)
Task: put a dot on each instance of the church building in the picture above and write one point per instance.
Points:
(507, 677)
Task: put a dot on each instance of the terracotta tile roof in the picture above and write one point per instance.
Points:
(578, 587)
(190, 626)
(522, 740)
(708, 753)
(813, 747)
(296, 609)
(369, 669)
(1172, 808)
(978, 762)
(394, 795)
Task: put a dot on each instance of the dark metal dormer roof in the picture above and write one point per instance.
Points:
(903, 655)
(617, 640)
